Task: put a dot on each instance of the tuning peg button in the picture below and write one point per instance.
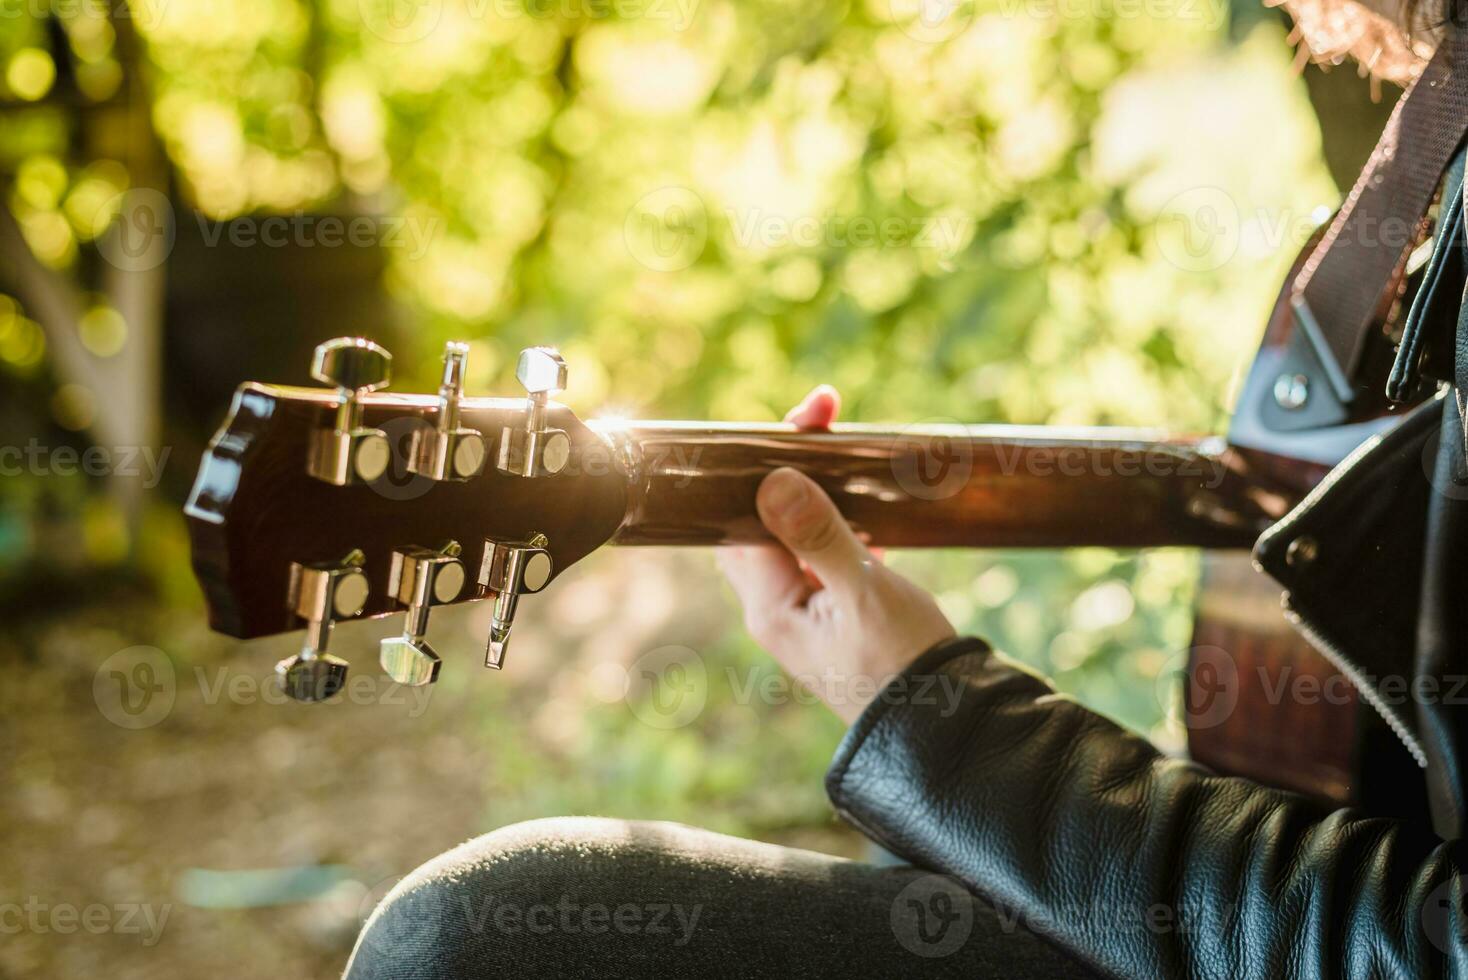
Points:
(321, 594)
(352, 364)
(541, 370)
(449, 451)
(420, 578)
(509, 570)
(349, 452)
(311, 678)
(532, 449)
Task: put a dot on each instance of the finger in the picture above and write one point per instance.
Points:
(764, 577)
(816, 410)
(805, 520)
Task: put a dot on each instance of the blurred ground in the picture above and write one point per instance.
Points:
(367, 786)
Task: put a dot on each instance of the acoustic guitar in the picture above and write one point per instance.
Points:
(315, 506)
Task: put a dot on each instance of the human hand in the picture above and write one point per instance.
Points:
(820, 602)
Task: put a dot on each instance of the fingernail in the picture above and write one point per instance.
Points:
(783, 493)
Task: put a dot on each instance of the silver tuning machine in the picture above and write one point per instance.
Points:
(321, 594)
(509, 570)
(532, 449)
(449, 452)
(420, 578)
(349, 452)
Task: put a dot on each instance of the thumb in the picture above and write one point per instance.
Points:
(806, 521)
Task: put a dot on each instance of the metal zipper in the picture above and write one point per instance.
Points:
(1342, 663)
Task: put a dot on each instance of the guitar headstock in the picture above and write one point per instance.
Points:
(317, 505)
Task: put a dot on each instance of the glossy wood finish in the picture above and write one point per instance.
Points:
(1287, 717)
(948, 486)
(254, 510)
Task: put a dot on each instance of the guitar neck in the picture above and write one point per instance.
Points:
(945, 486)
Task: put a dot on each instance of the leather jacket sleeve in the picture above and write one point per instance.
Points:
(1140, 864)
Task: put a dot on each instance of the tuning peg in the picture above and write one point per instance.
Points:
(420, 578)
(449, 452)
(509, 570)
(533, 449)
(348, 452)
(320, 594)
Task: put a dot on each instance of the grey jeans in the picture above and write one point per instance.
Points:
(613, 898)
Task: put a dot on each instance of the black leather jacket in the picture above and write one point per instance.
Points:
(1149, 866)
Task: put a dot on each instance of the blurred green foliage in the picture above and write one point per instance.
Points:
(992, 214)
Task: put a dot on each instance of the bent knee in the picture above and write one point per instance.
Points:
(466, 912)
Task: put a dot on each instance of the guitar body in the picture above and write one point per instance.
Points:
(1259, 701)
